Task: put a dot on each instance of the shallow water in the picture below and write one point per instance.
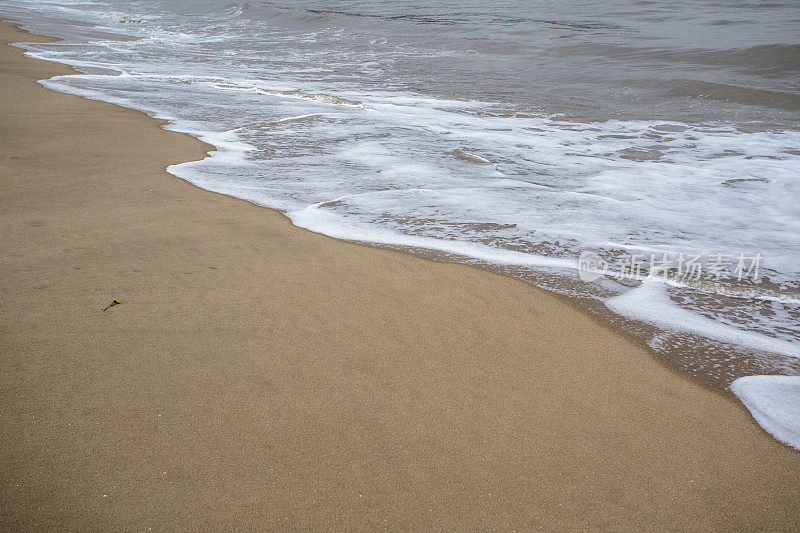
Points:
(515, 135)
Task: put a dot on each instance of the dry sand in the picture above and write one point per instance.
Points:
(260, 376)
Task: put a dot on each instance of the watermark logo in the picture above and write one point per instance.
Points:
(591, 266)
(681, 266)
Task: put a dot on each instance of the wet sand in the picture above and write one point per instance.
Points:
(261, 376)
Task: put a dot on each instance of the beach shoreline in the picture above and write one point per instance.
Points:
(258, 375)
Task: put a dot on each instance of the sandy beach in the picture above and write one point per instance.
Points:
(259, 376)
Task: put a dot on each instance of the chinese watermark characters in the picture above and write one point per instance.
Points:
(681, 266)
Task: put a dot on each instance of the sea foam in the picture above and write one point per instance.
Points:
(774, 401)
(650, 302)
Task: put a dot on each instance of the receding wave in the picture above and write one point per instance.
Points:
(768, 59)
(734, 93)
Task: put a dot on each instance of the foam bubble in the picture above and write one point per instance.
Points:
(318, 220)
(774, 402)
(650, 302)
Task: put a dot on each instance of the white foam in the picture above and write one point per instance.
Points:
(469, 156)
(650, 302)
(300, 117)
(316, 219)
(774, 402)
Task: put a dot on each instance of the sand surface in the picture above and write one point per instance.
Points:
(260, 376)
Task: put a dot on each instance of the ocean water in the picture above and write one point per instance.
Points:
(662, 138)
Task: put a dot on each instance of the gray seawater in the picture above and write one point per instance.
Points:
(514, 135)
